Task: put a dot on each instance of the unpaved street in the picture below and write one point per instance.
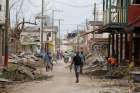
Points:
(63, 81)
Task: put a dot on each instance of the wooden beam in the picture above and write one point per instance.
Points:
(109, 44)
(113, 45)
(117, 47)
(121, 47)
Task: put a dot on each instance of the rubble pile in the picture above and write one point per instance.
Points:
(121, 71)
(23, 68)
(89, 58)
(3, 85)
(25, 58)
(135, 88)
(95, 67)
(19, 72)
(118, 72)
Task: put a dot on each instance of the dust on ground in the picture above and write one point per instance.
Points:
(63, 81)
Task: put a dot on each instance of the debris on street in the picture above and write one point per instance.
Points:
(70, 46)
(95, 67)
(23, 68)
(3, 85)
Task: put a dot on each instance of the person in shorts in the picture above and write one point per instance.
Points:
(77, 64)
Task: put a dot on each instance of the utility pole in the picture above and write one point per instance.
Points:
(54, 37)
(94, 11)
(94, 20)
(77, 37)
(6, 33)
(41, 30)
(59, 31)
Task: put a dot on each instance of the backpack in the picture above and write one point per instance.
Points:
(77, 60)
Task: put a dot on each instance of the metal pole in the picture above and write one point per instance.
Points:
(52, 22)
(77, 37)
(54, 37)
(53, 32)
(6, 33)
(41, 32)
(94, 20)
(59, 33)
(94, 11)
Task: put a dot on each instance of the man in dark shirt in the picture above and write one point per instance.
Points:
(77, 63)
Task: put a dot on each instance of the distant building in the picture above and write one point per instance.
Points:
(71, 35)
(94, 37)
(30, 37)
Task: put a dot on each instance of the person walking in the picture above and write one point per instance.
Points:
(77, 62)
(50, 60)
(82, 62)
(47, 61)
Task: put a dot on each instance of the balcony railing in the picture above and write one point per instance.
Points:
(116, 16)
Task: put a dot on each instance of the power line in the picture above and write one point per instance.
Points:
(19, 9)
(12, 4)
(32, 4)
(71, 5)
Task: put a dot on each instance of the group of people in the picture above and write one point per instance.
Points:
(78, 62)
(59, 54)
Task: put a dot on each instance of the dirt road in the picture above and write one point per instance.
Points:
(63, 81)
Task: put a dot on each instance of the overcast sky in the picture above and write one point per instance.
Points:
(74, 11)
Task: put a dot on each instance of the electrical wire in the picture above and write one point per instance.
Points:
(71, 5)
(12, 4)
(20, 7)
(32, 4)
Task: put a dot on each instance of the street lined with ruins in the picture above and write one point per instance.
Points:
(63, 81)
(69, 46)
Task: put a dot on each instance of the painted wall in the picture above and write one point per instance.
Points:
(134, 14)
